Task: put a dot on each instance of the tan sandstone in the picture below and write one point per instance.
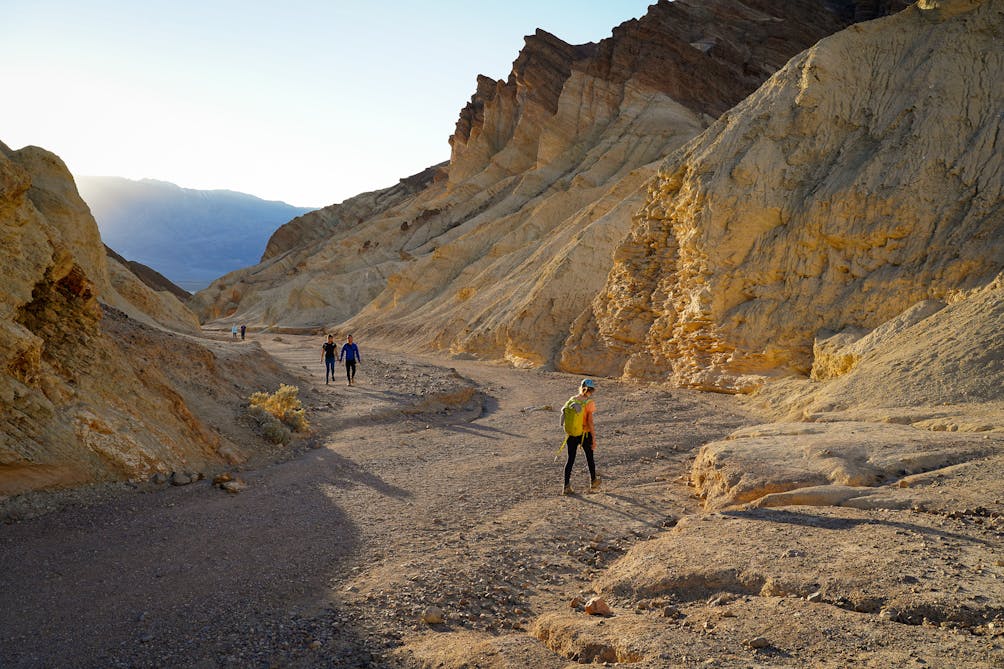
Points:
(860, 180)
(94, 387)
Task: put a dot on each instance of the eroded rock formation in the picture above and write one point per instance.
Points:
(87, 392)
(858, 181)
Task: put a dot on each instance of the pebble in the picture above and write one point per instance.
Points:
(180, 478)
(671, 612)
(597, 606)
(433, 615)
(220, 479)
(720, 600)
(889, 614)
(758, 643)
(234, 487)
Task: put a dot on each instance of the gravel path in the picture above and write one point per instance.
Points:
(426, 484)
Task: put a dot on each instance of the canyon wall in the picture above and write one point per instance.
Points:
(497, 253)
(861, 179)
(97, 381)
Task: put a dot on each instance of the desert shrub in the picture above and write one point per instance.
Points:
(276, 432)
(283, 406)
(269, 426)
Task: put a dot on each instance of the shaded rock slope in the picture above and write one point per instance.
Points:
(497, 252)
(97, 379)
(151, 277)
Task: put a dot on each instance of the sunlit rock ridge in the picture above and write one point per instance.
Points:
(497, 252)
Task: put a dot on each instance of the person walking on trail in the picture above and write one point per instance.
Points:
(578, 419)
(244, 329)
(233, 331)
(351, 354)
(328, 349)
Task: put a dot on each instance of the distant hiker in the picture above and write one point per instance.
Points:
(233, 331)
(577, 420)
(244, 329)
(328, 349)
(351, 354)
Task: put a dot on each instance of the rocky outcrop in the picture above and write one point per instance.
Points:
(706, 56)
(88, 393)
(497, 254)
(845, 457)
(936, 366)
(313, 228)
(861, 179)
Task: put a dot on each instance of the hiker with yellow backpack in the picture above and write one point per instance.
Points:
(577, 420)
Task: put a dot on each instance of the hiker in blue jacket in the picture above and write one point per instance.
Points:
(351, 354)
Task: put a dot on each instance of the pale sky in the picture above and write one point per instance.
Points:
(304, 101)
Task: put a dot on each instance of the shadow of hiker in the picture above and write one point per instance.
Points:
(653, 518)
(489, 405)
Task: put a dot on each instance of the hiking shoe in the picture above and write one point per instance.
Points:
(567, 490)
(595, 485)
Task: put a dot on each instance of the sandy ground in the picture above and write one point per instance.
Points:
(425, 486)
(436, 484)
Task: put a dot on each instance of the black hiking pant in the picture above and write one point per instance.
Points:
(586, 440)
(350, 370)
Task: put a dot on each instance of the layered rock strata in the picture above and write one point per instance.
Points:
(861, 179)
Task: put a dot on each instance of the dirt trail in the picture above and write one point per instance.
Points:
(428, 483)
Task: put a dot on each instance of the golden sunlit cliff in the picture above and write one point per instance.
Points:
(96, 380)
(863, 178)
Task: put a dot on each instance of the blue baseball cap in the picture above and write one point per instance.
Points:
(588, 383)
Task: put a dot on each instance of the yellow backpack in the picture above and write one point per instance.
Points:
(573, 415)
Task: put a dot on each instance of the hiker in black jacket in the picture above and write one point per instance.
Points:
(328, 349)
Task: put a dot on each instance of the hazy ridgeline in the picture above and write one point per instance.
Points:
(190, 236)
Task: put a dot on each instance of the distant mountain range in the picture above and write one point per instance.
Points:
(189, 236)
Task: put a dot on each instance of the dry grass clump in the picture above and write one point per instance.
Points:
(279, 414)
